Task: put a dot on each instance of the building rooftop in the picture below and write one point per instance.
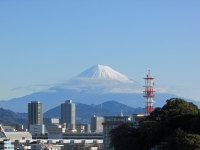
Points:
(68, 101)
(18, 135)
(35, 102)
(117, 116)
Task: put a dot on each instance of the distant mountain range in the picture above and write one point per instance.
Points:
(84, 112)
(95, 85)
(8, 117)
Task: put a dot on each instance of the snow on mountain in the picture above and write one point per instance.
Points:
(101, 79)
(96, 85)
(100, 72)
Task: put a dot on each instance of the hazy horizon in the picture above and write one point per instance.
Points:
(47, 42)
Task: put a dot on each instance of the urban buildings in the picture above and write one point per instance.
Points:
(35, 117)
(83, 128)
(36, 129)
(54, 121)
(18, 136)
(55, 130)
(80, 128)
(14, 135)
(96, 124)
(87, 128)
(14, 127)
(6, 144)
(68, 110)
(35, 113)
(67, 135)
(111, 122)
(137, 118)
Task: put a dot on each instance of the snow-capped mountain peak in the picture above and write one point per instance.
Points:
(101, 72)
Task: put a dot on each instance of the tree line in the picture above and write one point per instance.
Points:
(175, 126)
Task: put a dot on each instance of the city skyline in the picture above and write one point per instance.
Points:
(43, 43)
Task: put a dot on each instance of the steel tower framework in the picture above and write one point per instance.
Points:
(149, 94)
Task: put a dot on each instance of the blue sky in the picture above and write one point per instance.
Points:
(48, 41)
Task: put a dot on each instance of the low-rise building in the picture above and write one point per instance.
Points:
(55, 131)
(6, 145)
(13, 127)
(111, 122)
(137, 118)
(96, 124)
(87, 128)
(80, 128)
(36, 129)
(18, 135)
(55, 121)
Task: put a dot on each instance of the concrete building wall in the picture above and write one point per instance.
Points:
(55, 131)
(87, 128)
(18, 135)
(96, 124)
(36, 129)
(68, 110)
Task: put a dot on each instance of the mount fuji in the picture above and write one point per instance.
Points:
(101, 79)
(95, 85)
(100, 72)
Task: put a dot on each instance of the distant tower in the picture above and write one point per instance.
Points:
(35, 113)
(149, 94)
(68, 114)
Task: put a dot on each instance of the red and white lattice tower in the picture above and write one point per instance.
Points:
(149, 94)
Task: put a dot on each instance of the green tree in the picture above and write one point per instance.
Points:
(177, 123)
(184, 141)
(124, 137)
(176, 107)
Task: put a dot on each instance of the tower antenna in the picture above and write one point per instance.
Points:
(149, 93)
